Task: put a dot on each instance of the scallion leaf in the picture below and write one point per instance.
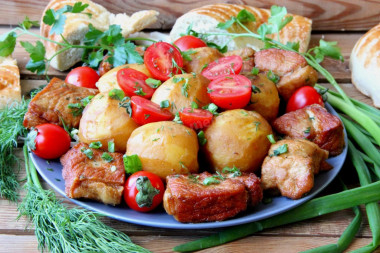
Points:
(132, 163)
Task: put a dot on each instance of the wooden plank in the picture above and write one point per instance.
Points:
(327, 15)
(340, 70)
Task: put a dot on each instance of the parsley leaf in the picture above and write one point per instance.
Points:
(245, 16)
(280, 150)
(27, 23)
(37, 52)
(7, 43)
(186, 54)
(219, 48)
(94, 58)
(227, 24)
(293, 45)
(329, 49)
(276, 21)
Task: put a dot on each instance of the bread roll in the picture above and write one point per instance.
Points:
(206, 18)
(365, 65)
(76, 26)
(10, 89)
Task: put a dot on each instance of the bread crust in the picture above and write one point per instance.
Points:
(298, 30)
(10, 89)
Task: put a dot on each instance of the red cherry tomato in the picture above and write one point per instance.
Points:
(51, 142)
(229, 65)
(230, 92)
(83, 77)
(150, 184)
(304, 96)
(158, 59)
(145, 111)
(132, 82)
(187, 42)
(195, 118)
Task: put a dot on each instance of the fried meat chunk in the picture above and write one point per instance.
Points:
(189, 199)
(292, 68)
(292, 172)
(51, 104)
(93, 178)
(247, 55)
(314, 123)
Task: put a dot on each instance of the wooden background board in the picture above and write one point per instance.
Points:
(327, 15)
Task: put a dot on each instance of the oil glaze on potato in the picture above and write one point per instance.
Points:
(265, 99)
(237, 138)
(165, 148)
(201, 57)
(181, 90)
(109, 81)
(103, 120)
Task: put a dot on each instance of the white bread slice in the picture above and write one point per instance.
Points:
(10, 89)
(206, 18)
(365, 64)
(76, 26)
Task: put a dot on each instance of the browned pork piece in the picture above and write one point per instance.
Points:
(246, 54)
(292, 68)
(51, 104)
(200, 58)
(88, 175)
(314, 123)
(290, 167)
(204, 197)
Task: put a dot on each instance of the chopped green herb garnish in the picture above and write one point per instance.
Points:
(140, 92)
(155, 139)
(273, 77)
(271, 138)
(183, 166)
(194, 105)
(201, 138)
(177, 119)
(210, 180)
(235, 171)
(255, 89)
(88, 152)
(146, 116)
(111, 146)
(186, 54)
(95, 145)
(116, 94)
(154, 83)
(132, 163)
(107, 157)
(164, 104)
(280, 150)
(211, 108)
(307, 131)
(85, 101)
(255, 71)
(126, 103)
(209, 90)
(257, 124)
(193, 179)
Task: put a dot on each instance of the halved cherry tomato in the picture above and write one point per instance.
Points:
(302, 97)
(145, 111)
(229, 65)
(188, 41)
(150, 184)
(132, 82)
(83, 77)
(195, 118)
(230, 92)
(161, 58)
(51, 142)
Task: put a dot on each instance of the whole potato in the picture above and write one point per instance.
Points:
(181, 90)
(200, 58)
(103, 120)
(237, 138)
(165, 148)
(265, 99)
(109, 81)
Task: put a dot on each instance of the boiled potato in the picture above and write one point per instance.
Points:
(265, 99)
(181, 90)
(165, 148)
(200, 58)
(103, 120)
(237, 138)
(109, 81)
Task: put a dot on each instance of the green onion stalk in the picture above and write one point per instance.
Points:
(59, 229)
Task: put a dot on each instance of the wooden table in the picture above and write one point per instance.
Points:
(341, 21)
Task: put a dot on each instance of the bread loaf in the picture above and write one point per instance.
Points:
(365, 64)
(206, 18)
(76, 26)
(10, 89)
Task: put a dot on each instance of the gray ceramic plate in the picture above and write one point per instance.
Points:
(51, 172)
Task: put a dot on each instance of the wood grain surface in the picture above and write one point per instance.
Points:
(327, 15)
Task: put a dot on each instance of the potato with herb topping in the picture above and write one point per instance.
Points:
(165, 148)
(104, 120)
(264, 99)
(237, 138)
(109, 80)
(182, 90)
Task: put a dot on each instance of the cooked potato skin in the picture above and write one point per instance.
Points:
(165, 148)
(201, 57)
(173, 91)
(266, 100)
(109, 81)
(103, 120)
(237, 138)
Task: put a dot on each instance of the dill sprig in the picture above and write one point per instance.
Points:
(11, 118)
(59, 229)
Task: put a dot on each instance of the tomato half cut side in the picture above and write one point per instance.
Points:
(229, 65)
(195, 118)
(230, 92)
(160, 59)
(83, 77)
(132, 82)
(145, 111)
(188, 42)
(302, 97)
